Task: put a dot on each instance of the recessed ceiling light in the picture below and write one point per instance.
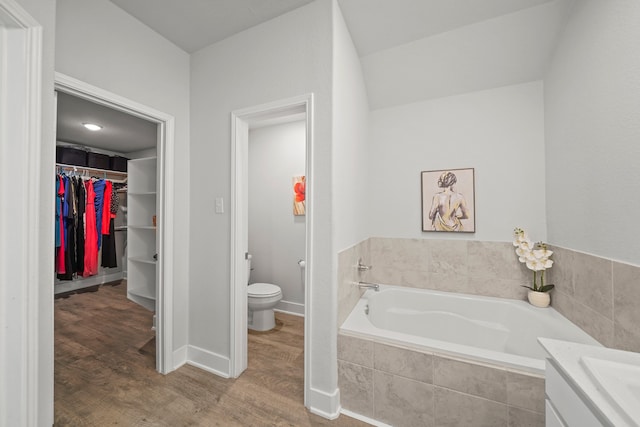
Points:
(92, 126)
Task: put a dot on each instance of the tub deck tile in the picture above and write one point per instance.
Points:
(356, 388)
(478, 380)
(454, 409)
(403, 362)
(402, 402)
(355, 350)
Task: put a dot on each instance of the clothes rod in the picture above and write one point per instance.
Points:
(116, 176)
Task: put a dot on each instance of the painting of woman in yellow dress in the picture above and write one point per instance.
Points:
(449, 210)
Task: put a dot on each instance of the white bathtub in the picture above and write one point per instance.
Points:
(497, 331)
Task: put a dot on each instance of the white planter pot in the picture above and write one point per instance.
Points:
(539, 299)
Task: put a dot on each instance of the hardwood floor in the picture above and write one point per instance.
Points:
(105, 373)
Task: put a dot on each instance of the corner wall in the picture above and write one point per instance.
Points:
(592, 100)
(351, 139)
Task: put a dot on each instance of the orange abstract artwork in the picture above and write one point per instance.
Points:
(299, 190)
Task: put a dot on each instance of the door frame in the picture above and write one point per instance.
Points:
(26, 369)
(240, 123)
(165, 194)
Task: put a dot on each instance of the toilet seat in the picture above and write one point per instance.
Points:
(263, 290)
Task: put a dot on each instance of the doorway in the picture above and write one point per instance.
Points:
(163, 177)
(241, 122)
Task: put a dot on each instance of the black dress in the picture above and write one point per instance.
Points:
(109, 259)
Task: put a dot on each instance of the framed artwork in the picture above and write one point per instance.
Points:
(448, 200)
(299, 193)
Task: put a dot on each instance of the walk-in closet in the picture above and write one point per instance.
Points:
(105, 244)
(105, 151)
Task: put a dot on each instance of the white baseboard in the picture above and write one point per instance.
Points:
(208, 361)
(288, 307)
(364, 419)
(327, 405)
(180, 356)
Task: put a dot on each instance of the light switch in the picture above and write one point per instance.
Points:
(219, 205)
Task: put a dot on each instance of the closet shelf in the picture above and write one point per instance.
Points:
(143, 260)
(143, 295)
(142, 193)
(141, 227)
(142, 207)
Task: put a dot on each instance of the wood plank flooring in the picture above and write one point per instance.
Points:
(105, 373)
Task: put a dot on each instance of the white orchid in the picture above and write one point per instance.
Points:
(535, 256)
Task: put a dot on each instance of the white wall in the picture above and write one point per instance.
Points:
(350, 140)
(133, 61)
(499, 132)
(285, 57)
(592, 101)
(276, 236)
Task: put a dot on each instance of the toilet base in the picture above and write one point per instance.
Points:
(262, 320)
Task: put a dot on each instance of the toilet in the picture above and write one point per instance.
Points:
(262, 297)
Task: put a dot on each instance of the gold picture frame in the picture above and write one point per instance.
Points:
(448, 200)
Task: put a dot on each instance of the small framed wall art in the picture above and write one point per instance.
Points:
(448, 200)
(299, 195)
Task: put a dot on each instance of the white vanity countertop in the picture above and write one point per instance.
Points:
(568, 357)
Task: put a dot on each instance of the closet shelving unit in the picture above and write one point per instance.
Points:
(104, 275)
(141, 246)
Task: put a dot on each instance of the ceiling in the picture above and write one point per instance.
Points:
(374, 24)
(194, 24)
(121, 132)
(503, 41)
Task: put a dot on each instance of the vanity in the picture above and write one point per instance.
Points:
(591, 385)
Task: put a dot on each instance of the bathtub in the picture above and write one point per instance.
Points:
(489, 330)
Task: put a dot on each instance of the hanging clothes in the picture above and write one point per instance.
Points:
(58, 212)
(98, 188)
(84, 221)
(60, 207)
(91, 234)
(108, 230)
(69, 231)
(81, 206)
(106, 207)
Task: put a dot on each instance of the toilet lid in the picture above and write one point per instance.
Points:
(263, 290)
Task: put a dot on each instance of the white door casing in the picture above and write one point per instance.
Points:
(165, 149)
(240, 120)
(23, 392)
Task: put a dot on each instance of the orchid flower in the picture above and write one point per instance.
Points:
(535, 257)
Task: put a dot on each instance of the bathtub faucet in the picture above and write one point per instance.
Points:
(367, 285)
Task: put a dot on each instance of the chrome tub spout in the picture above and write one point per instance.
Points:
(367, 285)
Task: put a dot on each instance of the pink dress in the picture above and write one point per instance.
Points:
(91, 234)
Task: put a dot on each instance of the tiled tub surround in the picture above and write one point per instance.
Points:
(471, 267)
(599, 295)
(405, 387)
